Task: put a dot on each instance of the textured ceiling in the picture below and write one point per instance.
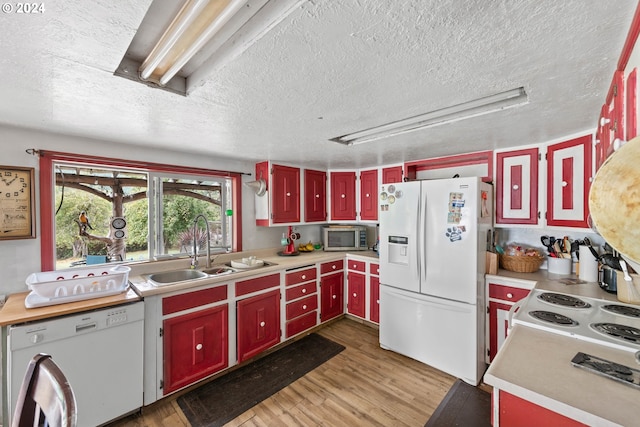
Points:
(330, 68)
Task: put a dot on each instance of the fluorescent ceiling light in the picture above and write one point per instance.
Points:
(194, 25)
(466, 110)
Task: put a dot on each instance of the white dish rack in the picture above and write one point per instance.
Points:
(58, 287)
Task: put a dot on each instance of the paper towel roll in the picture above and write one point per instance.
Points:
(588, 265)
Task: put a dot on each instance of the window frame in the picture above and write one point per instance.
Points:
(47, 193)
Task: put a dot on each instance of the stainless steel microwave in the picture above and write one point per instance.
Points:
(344, 238)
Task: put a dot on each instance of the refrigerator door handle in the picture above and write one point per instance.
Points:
(423, 235)
(419, 242)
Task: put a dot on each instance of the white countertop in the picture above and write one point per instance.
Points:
(536, 366)
(138, 276)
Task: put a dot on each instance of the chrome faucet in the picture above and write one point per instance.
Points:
(194, 261)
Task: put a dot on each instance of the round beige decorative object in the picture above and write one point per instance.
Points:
(614, 201)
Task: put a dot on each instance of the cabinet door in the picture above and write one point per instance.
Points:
(517, 187)
(286, 194)
(392, 174)
(632, 106)
(331, 294)
(568, 182)
(374, 299)
(195, 346)
(356, 298)
(315, 196)
(498, 326)
(369, 195)
(515, 411)
(258, 324)
(343, 196)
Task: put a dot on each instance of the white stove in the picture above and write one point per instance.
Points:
(609, 323)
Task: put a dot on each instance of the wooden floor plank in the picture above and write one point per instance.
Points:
(364, 385)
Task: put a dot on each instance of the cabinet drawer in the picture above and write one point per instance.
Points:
(302, 323)
(189, 300)
(332, 266)
(356, 265)
(507, 293)
(298, 308)
(300, 276)
(300, 291)
(374, 268)
(259, 283)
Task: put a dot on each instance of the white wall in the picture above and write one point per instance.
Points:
(19, 258)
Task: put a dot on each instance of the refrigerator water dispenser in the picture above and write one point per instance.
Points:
(398, 250)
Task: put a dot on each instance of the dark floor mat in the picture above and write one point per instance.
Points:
(224, 398)
(464, 405)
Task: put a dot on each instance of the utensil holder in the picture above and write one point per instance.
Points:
(628, 292)
(559, 266)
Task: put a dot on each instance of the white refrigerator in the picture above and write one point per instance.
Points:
(432, 261)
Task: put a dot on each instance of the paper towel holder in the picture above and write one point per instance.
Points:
(259, 186)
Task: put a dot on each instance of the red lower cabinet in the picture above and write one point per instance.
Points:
(258, 324)
(331, 296)
(374, 299)
(195, 345)
(517, 412)
(356, 299)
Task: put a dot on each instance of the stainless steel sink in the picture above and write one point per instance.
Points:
(168, 277)
(175, 276)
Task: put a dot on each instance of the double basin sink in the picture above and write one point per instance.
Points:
(176, 276)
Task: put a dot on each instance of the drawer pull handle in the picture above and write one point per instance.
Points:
(304, 290)
(199, 347)
(304, 307)
(304, 276)
(262, 324)
(333, 266)
(509, 295)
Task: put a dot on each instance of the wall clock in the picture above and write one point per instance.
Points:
(17, 203)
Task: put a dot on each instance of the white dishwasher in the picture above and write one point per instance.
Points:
(99, 351)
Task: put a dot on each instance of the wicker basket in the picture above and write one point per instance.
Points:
(521, 264)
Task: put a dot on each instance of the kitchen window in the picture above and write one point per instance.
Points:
(96, 210)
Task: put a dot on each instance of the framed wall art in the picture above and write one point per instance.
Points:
(17, 203)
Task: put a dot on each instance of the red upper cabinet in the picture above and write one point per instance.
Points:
(392, 174)
(343, 196)
(285, 194)
(315, 196)
(368, 195)
(568, 182)
(632, 106)
(517, 187)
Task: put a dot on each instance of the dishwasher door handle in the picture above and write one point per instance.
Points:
(86, 327)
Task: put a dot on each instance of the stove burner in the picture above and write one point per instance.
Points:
(555, 318)
(622, 310)
(621, 332)
(563, 300)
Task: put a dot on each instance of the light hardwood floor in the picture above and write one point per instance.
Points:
(364, 385)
